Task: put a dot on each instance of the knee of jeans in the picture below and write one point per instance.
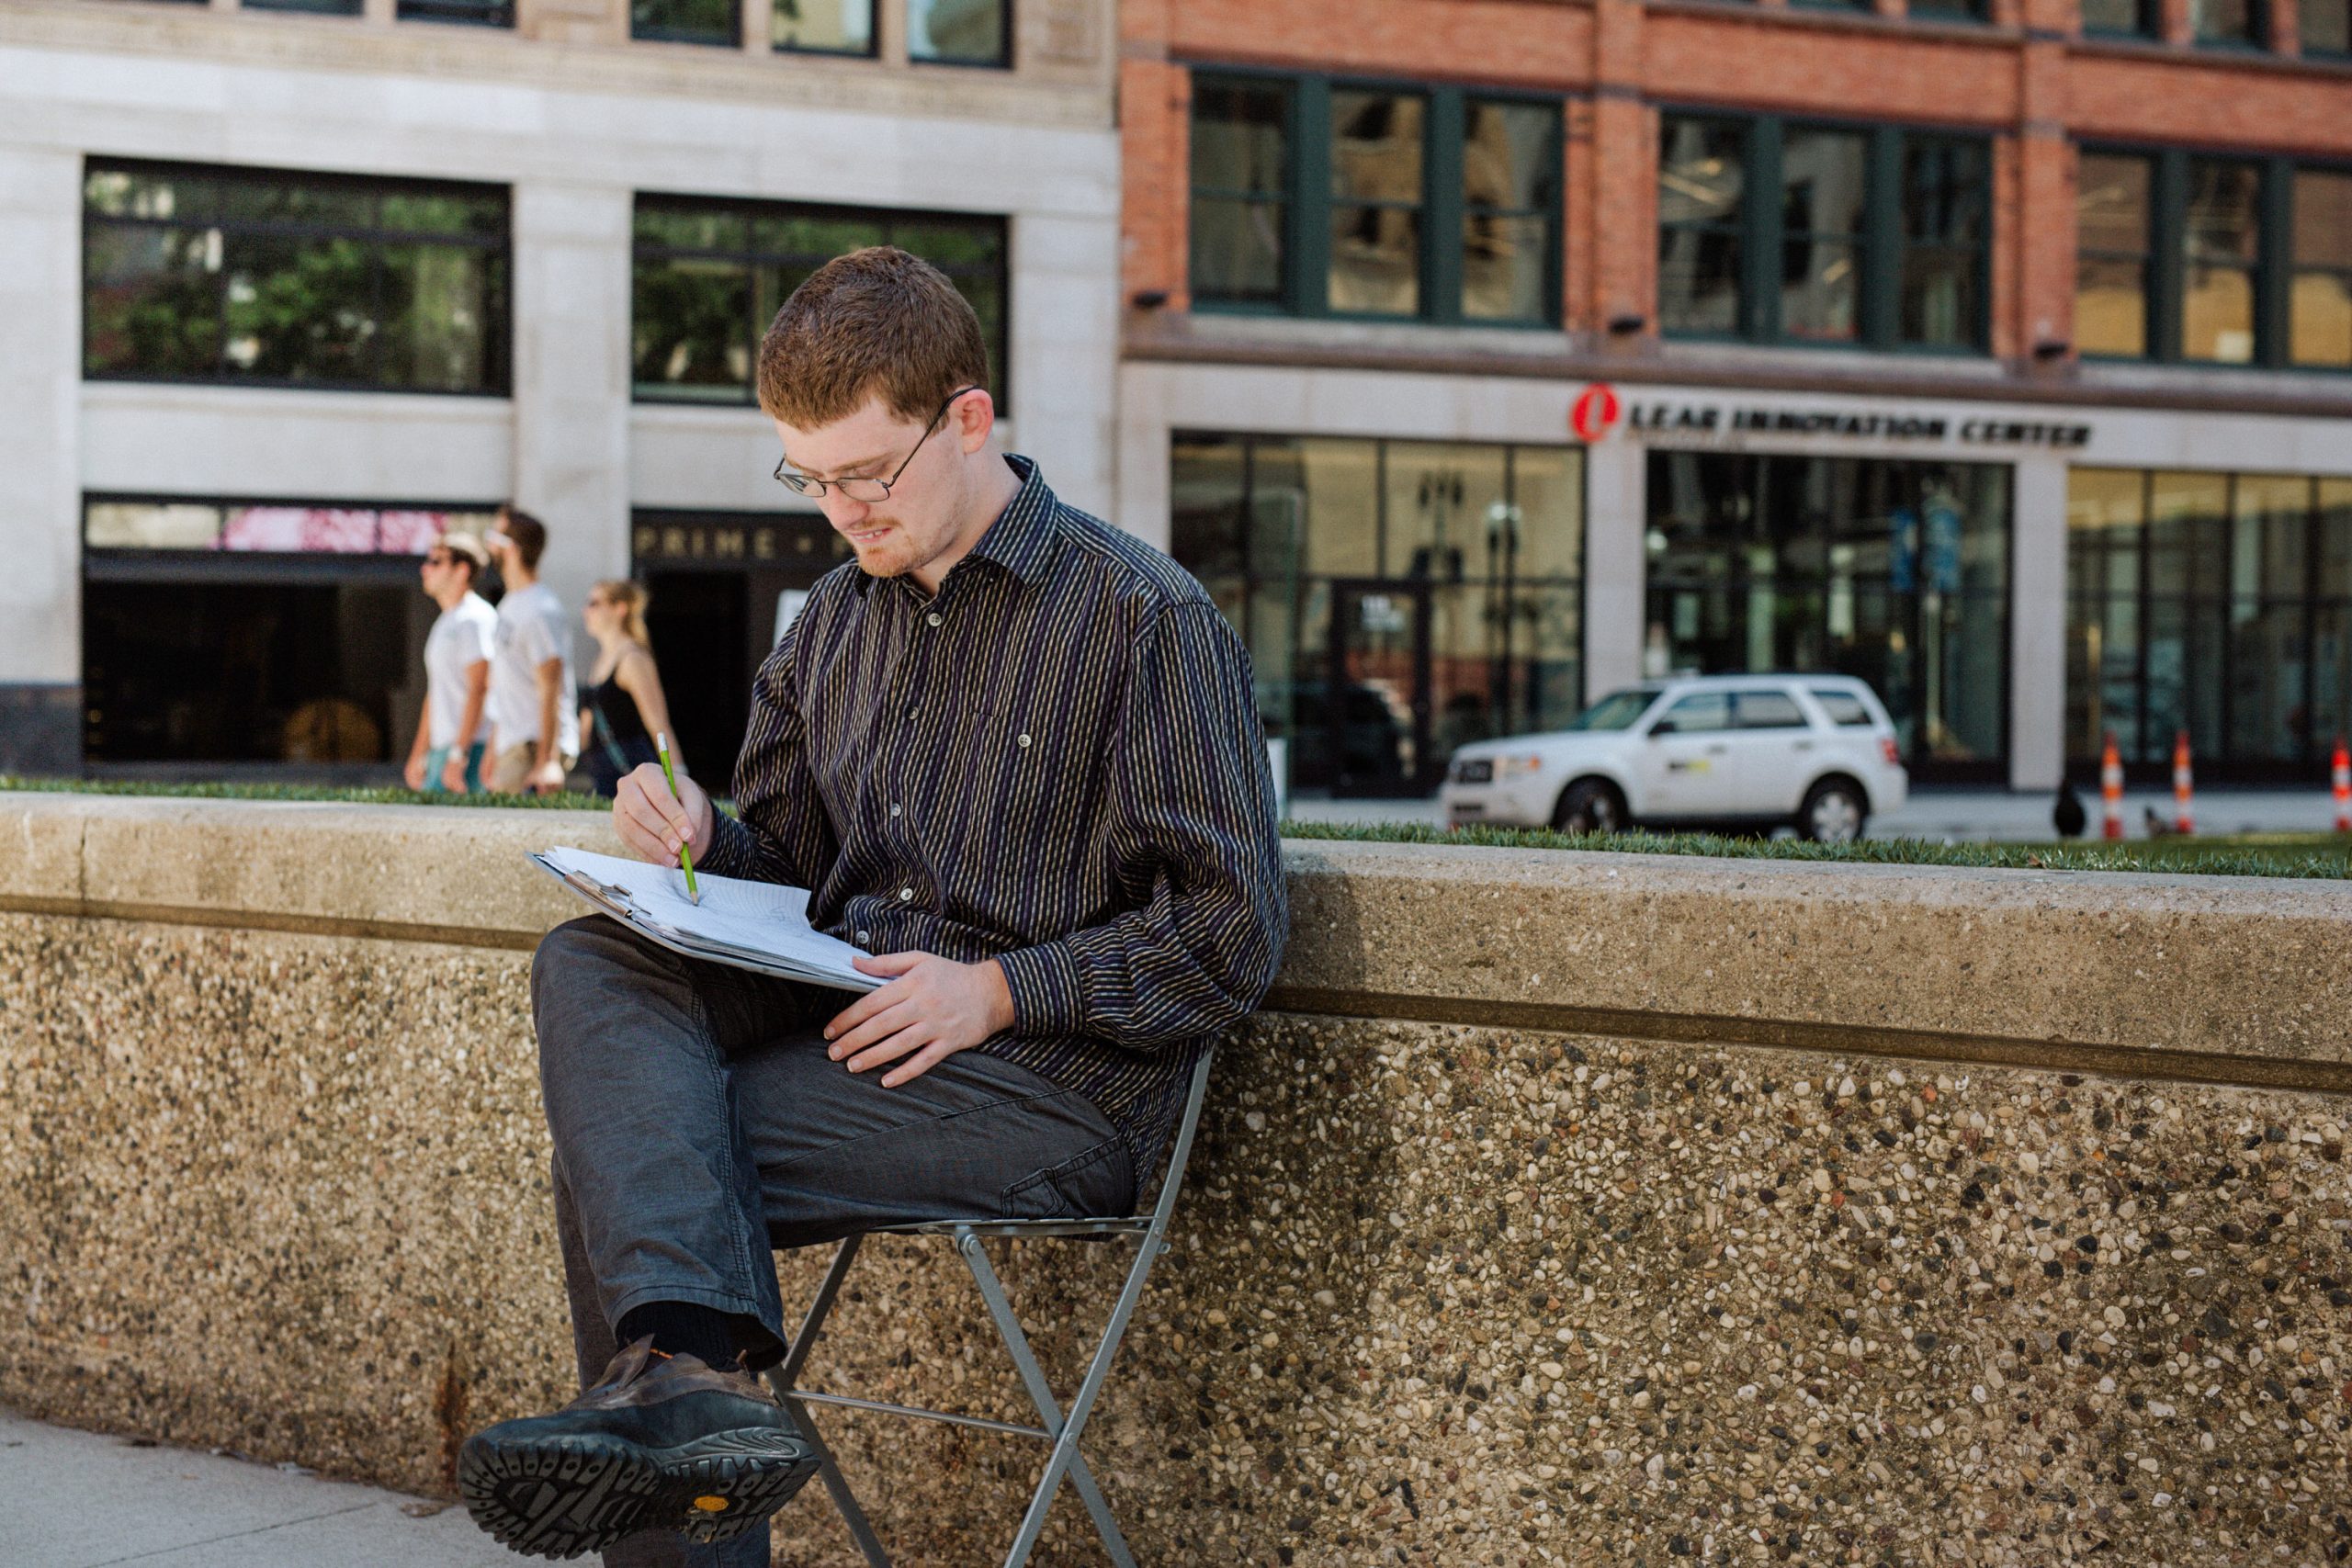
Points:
(567, 959)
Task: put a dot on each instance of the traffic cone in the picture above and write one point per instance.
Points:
(2184, 815)
(2342, 769)
(2110, 787)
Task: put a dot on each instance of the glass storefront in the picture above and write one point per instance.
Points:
(1893, 571)
(2218, 604)
(1399, 598)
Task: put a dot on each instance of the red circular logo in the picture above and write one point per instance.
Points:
(1595, 410)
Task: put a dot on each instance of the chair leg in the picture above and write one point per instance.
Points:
(782, 1379)
(1065, 1458)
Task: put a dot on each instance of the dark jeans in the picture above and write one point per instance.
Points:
(698, 1125)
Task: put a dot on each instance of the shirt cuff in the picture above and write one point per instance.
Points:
(732, 851)
(1046, 998)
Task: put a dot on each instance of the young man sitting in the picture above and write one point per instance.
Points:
(1013, 752)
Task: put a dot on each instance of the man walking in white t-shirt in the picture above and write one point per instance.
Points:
(532, 708)
(450, 734)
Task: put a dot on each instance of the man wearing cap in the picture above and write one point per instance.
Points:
(450, 735)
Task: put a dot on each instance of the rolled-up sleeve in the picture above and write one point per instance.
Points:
(1191, 817)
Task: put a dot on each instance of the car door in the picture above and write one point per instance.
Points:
(1682, 754)
(1775, 753)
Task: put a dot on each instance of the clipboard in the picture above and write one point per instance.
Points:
(758, 926)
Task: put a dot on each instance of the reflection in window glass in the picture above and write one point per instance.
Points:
(2223, 247)
(2111, 225)
(2226, 21)
(2324, 26)
(1947, 222)
(1698, 713)
(1377, 140)
(293, 280)
(1511, 167)
(2319, 307)
(822, 27)
(684, 21)
(709, 277)
(1700, 183)
(1239, 173)
(2132, 18)
(959, 32)
(1447, 512)
(1767, 710)
(1822, 202)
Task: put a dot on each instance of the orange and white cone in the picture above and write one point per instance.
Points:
(2184, 787)
(2342, 769)
(2110, 787)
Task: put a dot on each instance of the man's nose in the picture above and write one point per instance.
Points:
(842, 511)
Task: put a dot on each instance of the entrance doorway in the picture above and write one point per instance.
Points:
(1365, 730)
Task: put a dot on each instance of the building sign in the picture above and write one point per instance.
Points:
(738, 544)
(1598, 406)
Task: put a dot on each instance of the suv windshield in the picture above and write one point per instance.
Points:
(1618, 710)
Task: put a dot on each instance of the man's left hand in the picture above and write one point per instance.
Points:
(932, 1008)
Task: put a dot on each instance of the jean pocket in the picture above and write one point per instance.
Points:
(1081, 1187)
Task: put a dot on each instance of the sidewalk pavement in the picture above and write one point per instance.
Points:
(1972, 816)
(71, 1499)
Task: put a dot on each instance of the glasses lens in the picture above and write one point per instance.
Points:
(800, 484)
(863, 489)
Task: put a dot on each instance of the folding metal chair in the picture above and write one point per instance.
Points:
(1062, 1431)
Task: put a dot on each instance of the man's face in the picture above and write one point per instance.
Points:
(918, 521)
(436, 570)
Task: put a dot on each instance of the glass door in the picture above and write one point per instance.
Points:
(1376, 703)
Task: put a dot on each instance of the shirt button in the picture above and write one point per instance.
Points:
(1025, 740)
(933, 618)
(905, 893)
(861, 936)
(895, 809)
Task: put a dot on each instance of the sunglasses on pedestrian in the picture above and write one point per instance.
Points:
(861, 488)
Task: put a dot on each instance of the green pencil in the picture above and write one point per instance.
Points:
(662, 744)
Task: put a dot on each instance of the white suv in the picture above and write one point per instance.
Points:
(1814, 751)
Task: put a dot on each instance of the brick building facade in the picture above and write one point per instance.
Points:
(1955, 350)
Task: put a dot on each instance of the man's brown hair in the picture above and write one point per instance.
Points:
(530, 535)
(875, 322)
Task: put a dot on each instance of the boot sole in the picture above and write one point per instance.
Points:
(563, 1497)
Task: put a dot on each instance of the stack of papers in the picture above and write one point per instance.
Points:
(751, 925)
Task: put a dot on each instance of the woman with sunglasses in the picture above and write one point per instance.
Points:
(621, 708)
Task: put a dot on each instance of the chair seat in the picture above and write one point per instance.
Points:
(1122, 1225)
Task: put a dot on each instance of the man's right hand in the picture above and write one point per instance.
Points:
(652, 822)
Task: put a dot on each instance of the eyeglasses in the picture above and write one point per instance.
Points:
(863, 489)
(438, 557)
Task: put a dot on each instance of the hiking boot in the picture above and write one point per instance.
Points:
(663, 1442)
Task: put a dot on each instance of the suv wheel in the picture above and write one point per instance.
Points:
(1590, 806)
(1832, 813)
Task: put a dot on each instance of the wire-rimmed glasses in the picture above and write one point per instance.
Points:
(860, 487)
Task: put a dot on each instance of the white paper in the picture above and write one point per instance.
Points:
(760, 919)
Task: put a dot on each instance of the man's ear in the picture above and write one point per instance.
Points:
(974, 416)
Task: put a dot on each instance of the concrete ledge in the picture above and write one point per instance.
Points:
(1479, 1278)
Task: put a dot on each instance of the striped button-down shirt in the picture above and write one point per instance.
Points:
(1056, 764)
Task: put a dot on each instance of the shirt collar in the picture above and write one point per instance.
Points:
(1024, 538)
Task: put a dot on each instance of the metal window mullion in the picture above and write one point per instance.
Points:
(2274, 266)
(1760, 256)
(2168, 241)
(1307, 290)
(1444, 122)
(1883, 240)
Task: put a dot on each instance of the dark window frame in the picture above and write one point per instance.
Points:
(1883, 242)
(2291, 267)
(499, 334)
(2150, 24)
(1309, 204)
(457, 13)
(732, 39)
(1005, 61)
(2260, 41)
(750, 256)
(2332, 56)
(2274, 269)
(2151, 265)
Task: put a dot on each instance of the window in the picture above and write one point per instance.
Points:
(2111, 231)
(270, 279)
(2120, 18)
(1314, 197)
(1702, 182)
(1699, 712)
(1947, 10)
(1780, 233)
(2324, 26)
(480, 13)
(822, 27)
(1844, 708)
(2228, 22)
(714, 22)
(960, 32)
(2221, 249)
(1398, 599)
(2218, 604)
(2230, 261)
(710, 276)
(316, 8)
(2319, 311)
(1767, 710)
